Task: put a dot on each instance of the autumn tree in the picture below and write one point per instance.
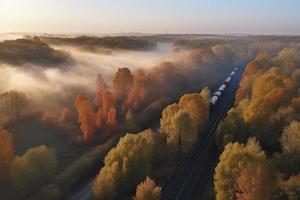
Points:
(7, 153)
(270, 91)
(253, 182)
(292, 187)
(65, 115)
(100, 83)
(140, 91)
(87, 117)
(289, 160)
(290, 138)
(13, 103)
(254, 68)
(122, 83)
(47, 118)
(106, 116)
(231, 129)
(147, 190)
(244, 170)
(6, 147)
(33, 169)
(124, 166)
(181, 123)
(130, 121)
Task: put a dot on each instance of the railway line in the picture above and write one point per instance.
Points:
(192, 173)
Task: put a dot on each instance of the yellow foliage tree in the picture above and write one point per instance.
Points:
(182, 123)
(147, 190)
(233, 174)
(124, 166)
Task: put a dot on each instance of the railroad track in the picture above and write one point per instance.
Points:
(191, 174)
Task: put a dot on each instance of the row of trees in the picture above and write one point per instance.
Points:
(267, 108)
(134, 157)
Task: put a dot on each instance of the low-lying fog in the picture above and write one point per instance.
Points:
(58, 83)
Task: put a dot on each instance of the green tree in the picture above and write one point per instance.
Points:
(148, 190)
(33, 169)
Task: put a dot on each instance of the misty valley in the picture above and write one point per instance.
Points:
(116, 117)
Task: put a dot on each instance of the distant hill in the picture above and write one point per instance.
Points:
(31, 51)
(122, 42)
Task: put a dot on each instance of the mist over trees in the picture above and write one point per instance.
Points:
(93, 42)
(26, 51)
(135, 99)
(13, 103)
(132, 100)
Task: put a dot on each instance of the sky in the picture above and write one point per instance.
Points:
(151, 16)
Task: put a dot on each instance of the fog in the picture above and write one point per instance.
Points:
(168, 72)
(62, 82)
(9, 36)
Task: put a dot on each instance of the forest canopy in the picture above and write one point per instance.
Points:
(31, 51)
(90, 42)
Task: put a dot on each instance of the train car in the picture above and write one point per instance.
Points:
(218, 93)
(228, 79)
(236, 68)
(232, 73)
(214, 100)
(222, 88)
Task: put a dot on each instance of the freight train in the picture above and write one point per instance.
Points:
(218, 94)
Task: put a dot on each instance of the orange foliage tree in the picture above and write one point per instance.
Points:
(7, 153)
(65, 115)
(87, 117)
(107, 112)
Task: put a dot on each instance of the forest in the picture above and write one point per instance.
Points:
(118, 114)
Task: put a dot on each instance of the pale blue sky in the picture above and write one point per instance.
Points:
(156, 16)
